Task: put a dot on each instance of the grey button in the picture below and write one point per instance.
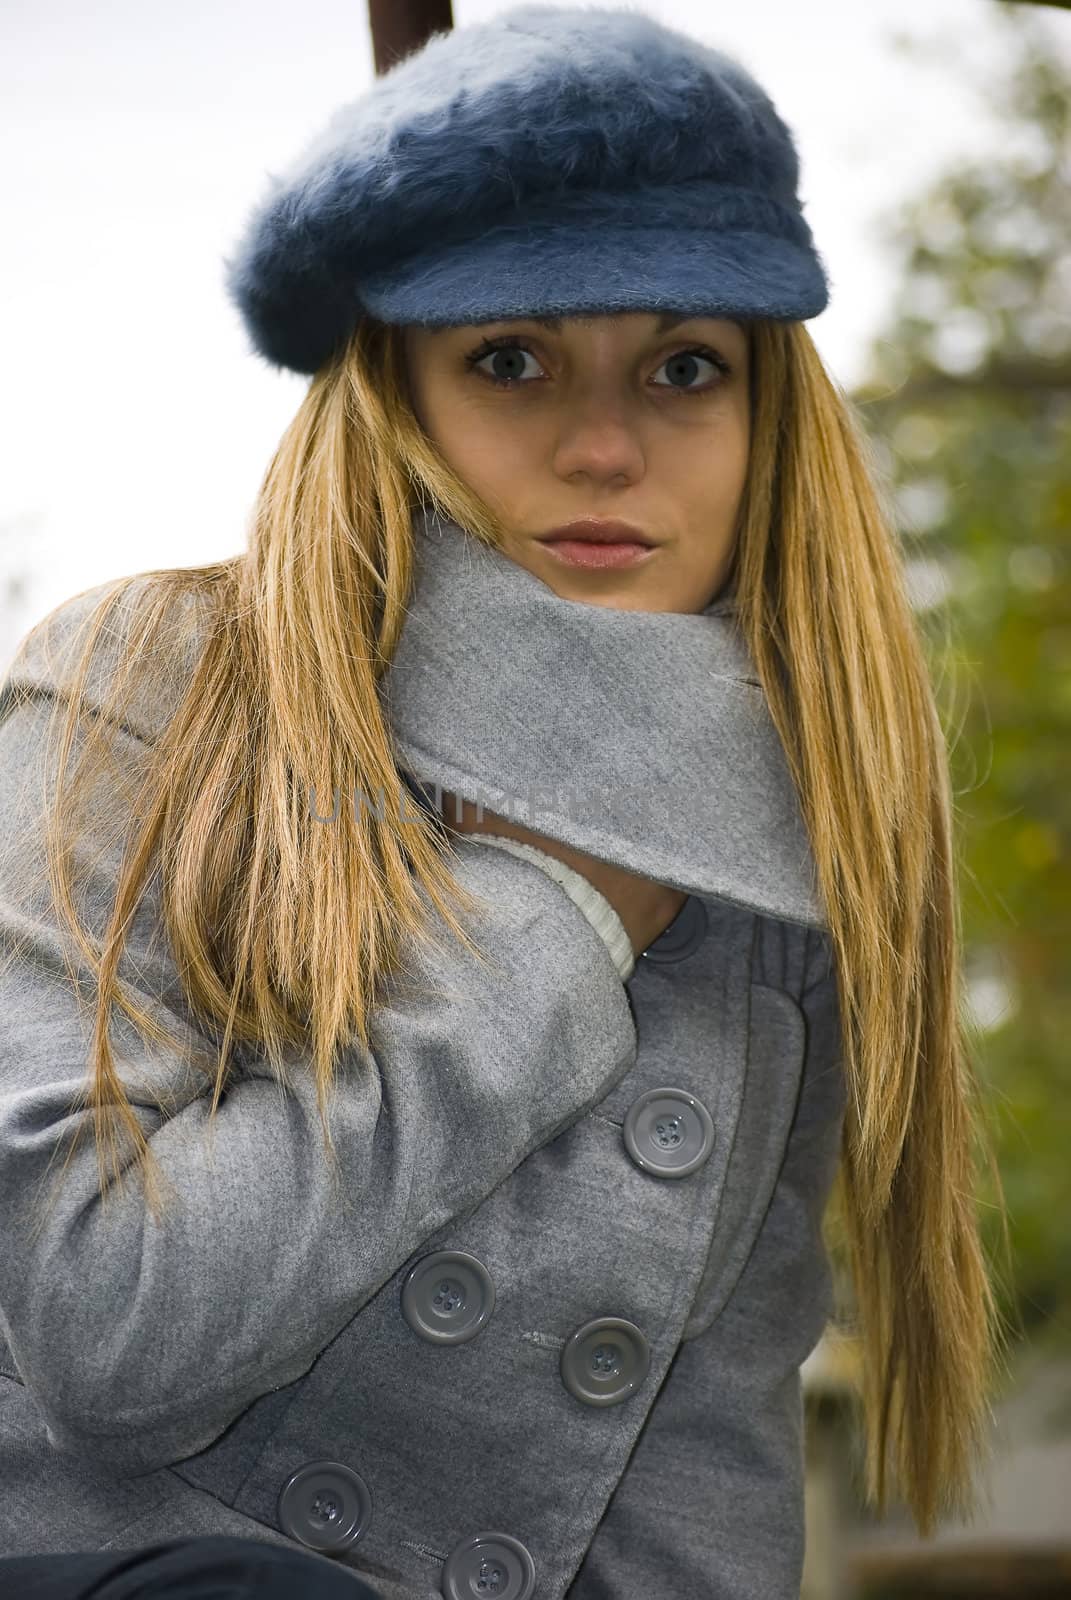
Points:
(605, 1361)
(491, 1564)
(448, 1296)
(325, 1505)
(668, 1132)
(684, 935)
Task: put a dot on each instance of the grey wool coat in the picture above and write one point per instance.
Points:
(548, 1344)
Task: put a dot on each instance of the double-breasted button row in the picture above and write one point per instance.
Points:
(449, 1296)
(327, 1507)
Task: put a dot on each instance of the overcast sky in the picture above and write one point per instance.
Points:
(136, 423)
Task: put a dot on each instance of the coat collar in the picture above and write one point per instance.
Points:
(643, 738)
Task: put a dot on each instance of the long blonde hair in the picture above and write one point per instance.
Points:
(284, 931)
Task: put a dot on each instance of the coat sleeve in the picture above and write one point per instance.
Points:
(712, 1500)
(141, 1342)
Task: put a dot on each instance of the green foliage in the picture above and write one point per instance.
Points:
(968, 405)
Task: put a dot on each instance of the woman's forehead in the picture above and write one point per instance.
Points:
(627, 321)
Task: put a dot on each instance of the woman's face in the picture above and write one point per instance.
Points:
(606, 417)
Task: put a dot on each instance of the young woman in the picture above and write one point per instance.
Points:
(447, 963)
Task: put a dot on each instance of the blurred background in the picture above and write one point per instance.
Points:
(935, 140)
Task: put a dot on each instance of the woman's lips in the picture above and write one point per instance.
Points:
(591, 553)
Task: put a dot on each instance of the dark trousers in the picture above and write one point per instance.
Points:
(210, 1567)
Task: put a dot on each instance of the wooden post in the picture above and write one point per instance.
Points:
(401, 26)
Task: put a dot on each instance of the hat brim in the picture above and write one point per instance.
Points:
(577, 270)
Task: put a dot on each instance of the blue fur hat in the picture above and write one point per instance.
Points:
(554, 161)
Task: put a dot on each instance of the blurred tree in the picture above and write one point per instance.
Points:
(968, 403)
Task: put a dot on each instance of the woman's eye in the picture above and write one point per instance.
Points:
(508, 362)
(508, 367)
(682, 364)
